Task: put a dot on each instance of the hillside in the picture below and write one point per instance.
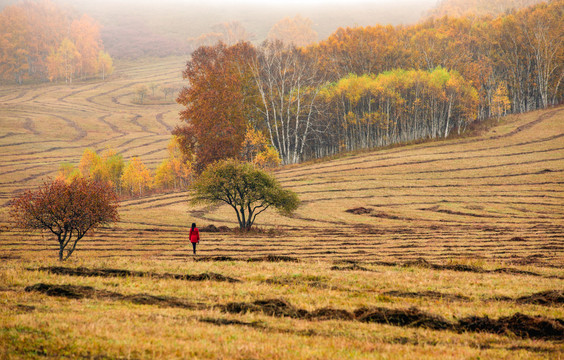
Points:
(452, 249)
(454, 198)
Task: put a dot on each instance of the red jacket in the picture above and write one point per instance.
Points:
(194, 235)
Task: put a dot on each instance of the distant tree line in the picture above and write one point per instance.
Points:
(371, 86)
(459, 8)
(131, 178)
(40, 41)
(176, 172)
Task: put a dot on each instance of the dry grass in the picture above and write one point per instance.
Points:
(484, 213)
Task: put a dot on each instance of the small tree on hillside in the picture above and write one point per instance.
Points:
(68, 210)
(248, 190)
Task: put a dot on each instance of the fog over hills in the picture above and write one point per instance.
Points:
(139, 28)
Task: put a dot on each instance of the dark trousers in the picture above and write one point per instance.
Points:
(194, 247)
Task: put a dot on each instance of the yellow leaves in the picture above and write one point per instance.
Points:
(136, 178)
(133, 178)
(258, 150)
(500, 101)
(164, 175)
(269, 158)
(89, 161)
(105, 65)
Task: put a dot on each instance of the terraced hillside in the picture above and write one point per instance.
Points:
(497, 196)
(450, 249)
(43, 126)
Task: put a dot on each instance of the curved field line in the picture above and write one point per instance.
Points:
(111, 126)
(415, 163)
(29, 125)
(159, 118)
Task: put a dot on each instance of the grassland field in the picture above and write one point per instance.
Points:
(436, 233)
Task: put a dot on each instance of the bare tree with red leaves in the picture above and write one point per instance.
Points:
(68, 210)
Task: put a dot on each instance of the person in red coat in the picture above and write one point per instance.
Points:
(194, 236)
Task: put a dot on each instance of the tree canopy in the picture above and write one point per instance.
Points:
(373, 86)
(247, 189)
(41, 41)
(68, 210)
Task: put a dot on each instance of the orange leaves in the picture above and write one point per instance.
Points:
(14, 31)
(68, 210)
(218, 103)
(41, 41)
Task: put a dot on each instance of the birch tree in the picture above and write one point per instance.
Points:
(288, 82)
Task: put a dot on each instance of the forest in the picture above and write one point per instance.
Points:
(41, 41)
(372, 86)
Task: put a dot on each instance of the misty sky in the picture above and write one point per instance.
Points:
(180, 20)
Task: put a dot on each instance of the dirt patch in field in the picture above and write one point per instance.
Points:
(519, 324)
(72, 291)
(81, 271)
(422, 263)
(383, 215)
(412, 317)
(514, 271)
(215, 229)
(22, 308)
(328, 313)
(272, 307)
(352, 267)
(88, 292)
(215, 258)
(550, 297)
(517, 239)
(359, 211)
(275, 258)
(223, 322)
(314, 281)
(427, 294)
(165, 301)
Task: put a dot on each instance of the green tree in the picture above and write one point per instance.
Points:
(248, 190)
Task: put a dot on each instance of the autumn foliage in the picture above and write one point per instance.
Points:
(219, 102)
(68, 210)
(41, 41)
(371, 86)
(456, 8)
(133, 177)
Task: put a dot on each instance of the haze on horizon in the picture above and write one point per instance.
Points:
(147, 27)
